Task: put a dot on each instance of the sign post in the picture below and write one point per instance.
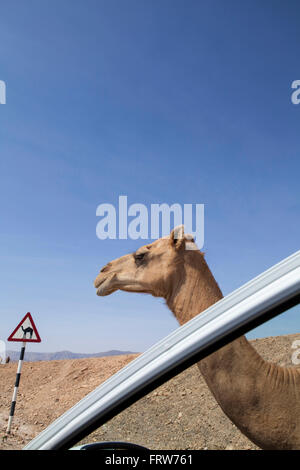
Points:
(25, 332)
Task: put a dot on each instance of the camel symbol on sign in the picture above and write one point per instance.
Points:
(27, 330)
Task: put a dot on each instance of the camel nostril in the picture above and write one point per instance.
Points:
(105, 268)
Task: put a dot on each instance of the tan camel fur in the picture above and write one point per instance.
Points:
(262, 399)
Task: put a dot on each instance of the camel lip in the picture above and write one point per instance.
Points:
(102, 287)
(98, 283)
(99, 291)
(100, 279)
(103, 292)
(99, 286)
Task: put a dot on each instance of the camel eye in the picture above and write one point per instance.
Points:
(139, 256)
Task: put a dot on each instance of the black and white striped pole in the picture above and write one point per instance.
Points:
(14, 397)
(25, 332)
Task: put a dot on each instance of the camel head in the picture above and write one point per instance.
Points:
(152, 269)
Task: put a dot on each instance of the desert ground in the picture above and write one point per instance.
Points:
(180, 414)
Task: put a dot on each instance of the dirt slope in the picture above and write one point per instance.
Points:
(181, 414)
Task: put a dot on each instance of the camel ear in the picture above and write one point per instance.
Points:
(177, 237)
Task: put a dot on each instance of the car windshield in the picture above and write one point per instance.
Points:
(183, 413)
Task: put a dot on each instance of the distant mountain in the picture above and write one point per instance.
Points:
(36, 356)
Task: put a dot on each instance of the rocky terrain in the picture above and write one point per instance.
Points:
(36, 356)
(180, 414)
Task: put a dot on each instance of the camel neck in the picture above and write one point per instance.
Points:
(248, 389)
(193, 290)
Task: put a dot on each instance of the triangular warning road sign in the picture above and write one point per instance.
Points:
(25, 331)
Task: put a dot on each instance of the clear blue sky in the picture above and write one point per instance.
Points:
(162, 101)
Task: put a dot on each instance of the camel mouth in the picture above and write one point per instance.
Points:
(103, 287)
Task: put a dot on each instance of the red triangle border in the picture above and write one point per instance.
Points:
(37, 340)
